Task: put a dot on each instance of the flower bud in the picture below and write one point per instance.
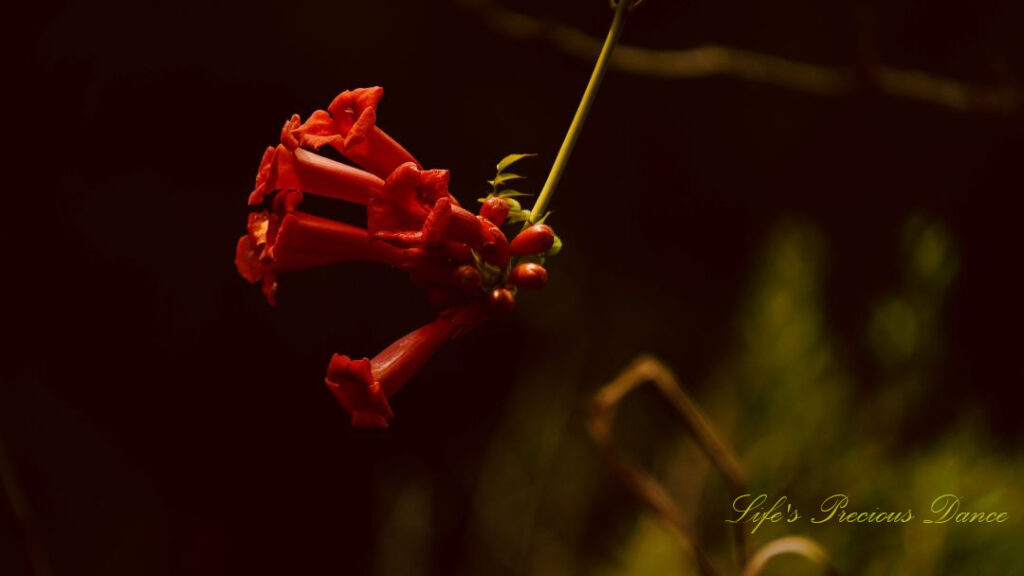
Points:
(502, 301)
(495, 209)
(468, 277)
(496, 251)
(529, 275)
(534, 240)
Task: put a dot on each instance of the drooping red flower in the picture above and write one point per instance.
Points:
(414, 207)
(463, 261)
(363, 386)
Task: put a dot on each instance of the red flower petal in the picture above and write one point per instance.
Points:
(435, 226)
(355, 117)
(251, 257)
(298, 169)
(353, 384)
(288, 137)
(415, 207)
(247, 259)
(261, 227)
(406, 199)
(266, 177)
(318, 130)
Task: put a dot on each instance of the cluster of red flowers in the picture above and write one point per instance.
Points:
(463, 260)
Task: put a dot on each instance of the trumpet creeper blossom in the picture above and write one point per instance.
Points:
(363, 386)
(461, 260)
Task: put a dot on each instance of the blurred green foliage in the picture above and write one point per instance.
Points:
(804, 424)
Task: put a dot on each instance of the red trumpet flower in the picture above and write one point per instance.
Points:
(299, 241)
(463, 261)
(415, 207)
(363, 387)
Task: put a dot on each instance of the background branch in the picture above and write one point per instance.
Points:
(644, 487)
(714, 60)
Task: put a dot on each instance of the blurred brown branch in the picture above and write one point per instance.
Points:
(643, 486)
(711, 60)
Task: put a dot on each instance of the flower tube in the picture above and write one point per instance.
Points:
(363, 387)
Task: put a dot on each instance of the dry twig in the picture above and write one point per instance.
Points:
(714, 60)
(649, 491)
(646, 489)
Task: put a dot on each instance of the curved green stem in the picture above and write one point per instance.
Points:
(589, 94)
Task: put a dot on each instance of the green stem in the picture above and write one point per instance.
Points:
(581, 114)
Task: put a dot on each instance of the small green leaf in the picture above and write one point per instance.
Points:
(510, 159)
(513, 194)
(491, 273)
(501, 178)
(556, 247)
(513, 205)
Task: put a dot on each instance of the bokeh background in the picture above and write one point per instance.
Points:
(834, 278)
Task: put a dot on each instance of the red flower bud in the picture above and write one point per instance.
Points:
(502, 301)
(496, 251)
(468, 277)
(534, 240)
(529, 275)
(495, 209)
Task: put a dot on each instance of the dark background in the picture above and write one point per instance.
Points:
(160, 418)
